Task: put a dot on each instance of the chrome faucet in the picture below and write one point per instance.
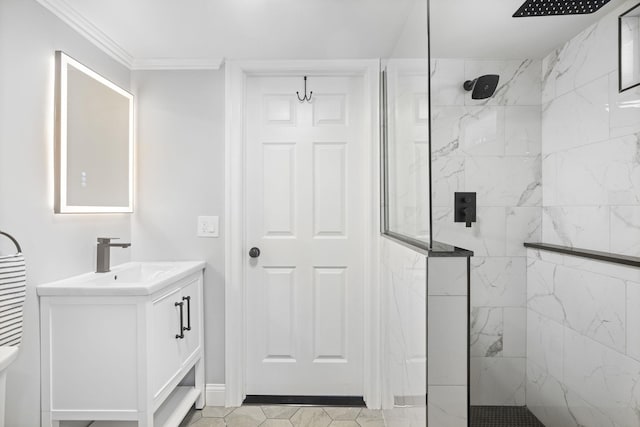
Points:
(104, 253)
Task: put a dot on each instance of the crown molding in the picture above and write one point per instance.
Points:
(71, 17)
(177, 63)
(93, 34)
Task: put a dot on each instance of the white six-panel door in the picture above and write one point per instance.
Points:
(304, 185)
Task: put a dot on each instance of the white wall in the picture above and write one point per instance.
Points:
(412, 41)
(55, 246)
(180, 175)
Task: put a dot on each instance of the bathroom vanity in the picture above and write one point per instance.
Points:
(120, 346)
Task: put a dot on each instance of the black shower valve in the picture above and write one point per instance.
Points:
(465, 207)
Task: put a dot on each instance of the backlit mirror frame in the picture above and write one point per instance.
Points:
(629, 55)
(61, 146)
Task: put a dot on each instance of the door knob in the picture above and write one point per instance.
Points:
(254, 252)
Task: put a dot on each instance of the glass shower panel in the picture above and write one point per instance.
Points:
(408, 147)
(406, 213)
(405, 107)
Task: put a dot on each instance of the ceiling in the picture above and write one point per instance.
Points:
(192, 34)
(485, 29)
(207, 31)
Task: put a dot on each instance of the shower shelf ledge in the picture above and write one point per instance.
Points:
(587, 253)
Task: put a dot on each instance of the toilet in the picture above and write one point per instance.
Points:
(12, 296)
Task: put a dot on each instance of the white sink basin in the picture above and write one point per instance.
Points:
(133, 278)
(136, 272)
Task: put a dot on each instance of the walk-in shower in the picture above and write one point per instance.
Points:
(538, 150)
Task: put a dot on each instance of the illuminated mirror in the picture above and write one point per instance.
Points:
(93, 141)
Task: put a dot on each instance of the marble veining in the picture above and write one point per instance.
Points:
(582, 59)
(582, 346)
(498, 281)
(486, 331)
(620, 271)
(519, 81)
(505, 181)
(605, 168)
(523, 130)
(498, 381)
(577, 118)
(589, 303)
(404, 287)
(556, 405)
(590, 144)
(450, 173)
(523, 224)
(577, 226)
(487, 237)
(447, 76)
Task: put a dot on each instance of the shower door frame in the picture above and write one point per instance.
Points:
(236, 73)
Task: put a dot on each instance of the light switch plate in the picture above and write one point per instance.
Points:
(208, 226)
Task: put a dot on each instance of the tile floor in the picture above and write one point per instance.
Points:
(283, 416)
(503, 416)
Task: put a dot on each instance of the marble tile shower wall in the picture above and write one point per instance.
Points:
(404, 286)
(590, 145)
(583, 350)
(583, 342)
(491, 147)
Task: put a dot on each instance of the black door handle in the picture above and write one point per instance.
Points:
(181, 334)
(188, 300)
(254, 252)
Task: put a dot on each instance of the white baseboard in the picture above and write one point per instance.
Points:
(214, 394)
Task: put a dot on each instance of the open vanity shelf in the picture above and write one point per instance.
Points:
(170, 414)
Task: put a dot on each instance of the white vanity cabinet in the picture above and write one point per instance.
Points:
(170, 351)
(120, 352)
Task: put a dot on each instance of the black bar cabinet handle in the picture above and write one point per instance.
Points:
(188, 300)
(181, 335)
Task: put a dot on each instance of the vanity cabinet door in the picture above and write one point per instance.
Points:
(192, 297)
(166, 357)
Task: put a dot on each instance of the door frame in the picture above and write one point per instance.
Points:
(236, 73)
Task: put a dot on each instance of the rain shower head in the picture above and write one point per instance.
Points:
(483, 87)
(558, 7)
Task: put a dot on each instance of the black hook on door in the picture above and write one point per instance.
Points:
(305, 98)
